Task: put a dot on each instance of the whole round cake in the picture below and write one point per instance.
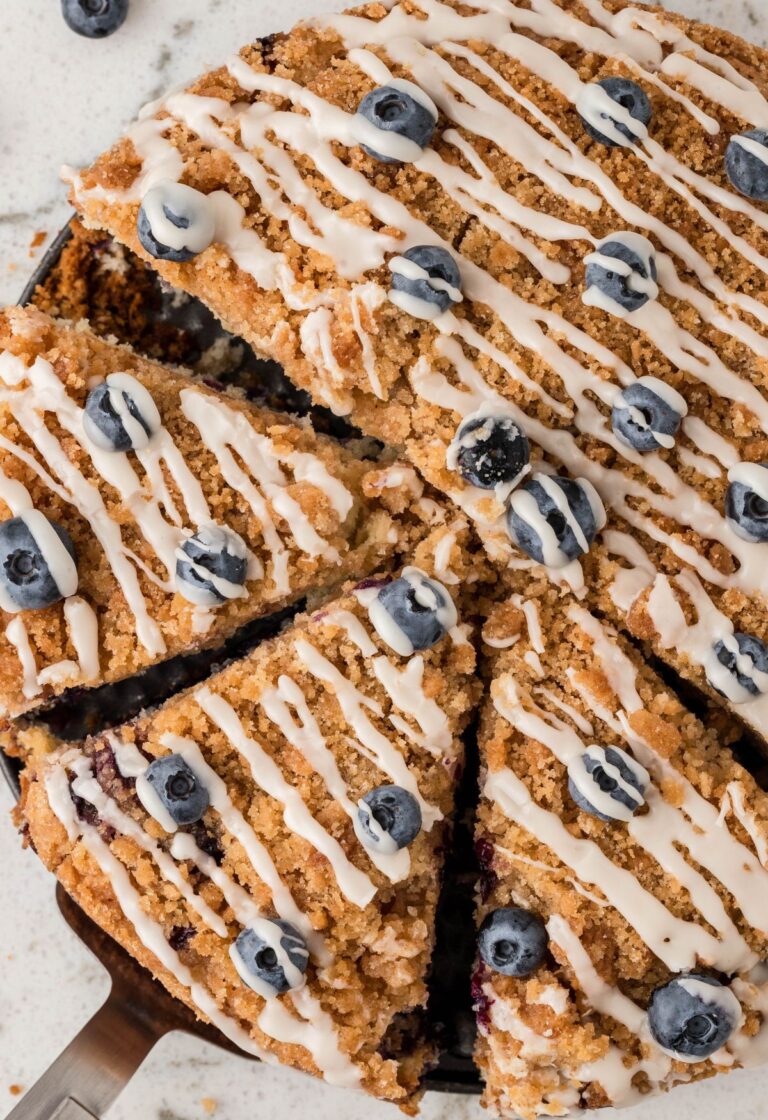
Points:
(525, 247)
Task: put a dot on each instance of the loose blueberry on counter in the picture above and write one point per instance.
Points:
(435, 283)
(272, 958)
(405, 124)
(95, 19)
(738, 668)
(624, 92)
(513, 941)
(175, 222)
(120, 414)
(37, 563)
(648, 414)
(412, 612)
(632, 289)
(489, 450)
(692, 1016)
(607, 783)
(554, 520)
(746, 501)
(746, 163)
(178, 787)
(388, 819)
(211, 566)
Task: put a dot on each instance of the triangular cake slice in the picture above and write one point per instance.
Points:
(270, 844)
(518, 241)
(143, 514)
(624, 893)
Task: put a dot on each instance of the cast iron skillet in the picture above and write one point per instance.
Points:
(92, 1071)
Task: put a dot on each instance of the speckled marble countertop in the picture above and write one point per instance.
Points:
(63, 99)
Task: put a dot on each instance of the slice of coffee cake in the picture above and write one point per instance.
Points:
(143, 514)
(624, 897)
(270, 844)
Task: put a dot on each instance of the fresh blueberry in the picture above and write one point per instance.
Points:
(746, 162)
(37, 563)
(738, 667)
(412, 612)
(95, 19)
(120, 414)
(692, 1016)
(404, 124)
(211, 566)
(648, 414)
(271, 957)
(554, 520)
(746, 501)
(429, 279)
(489, 450)
(624, 92)
(180, 790)
(513, 941)
(632, 283)
(175, 222)
(607, 783)
(388, 819)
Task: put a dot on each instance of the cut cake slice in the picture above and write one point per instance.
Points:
(143, 514)
(270, 844)
(624, 896)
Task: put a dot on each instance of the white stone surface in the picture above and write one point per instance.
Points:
(63, 99)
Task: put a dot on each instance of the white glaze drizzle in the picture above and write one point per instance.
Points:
(733, 802)
(355, 706)
(86, 786)
(303, 733)
(257, 854)
(557, 871)
(428, 593)
(711, 843)
(32, 391)
(444, 552)
(677, 942)
(353, 883)
(608, 1000)
(224, 429)
(149, 932)
(315, 1030)
(46, 391)
(659, 832)
(336, 122)
(198, 228)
